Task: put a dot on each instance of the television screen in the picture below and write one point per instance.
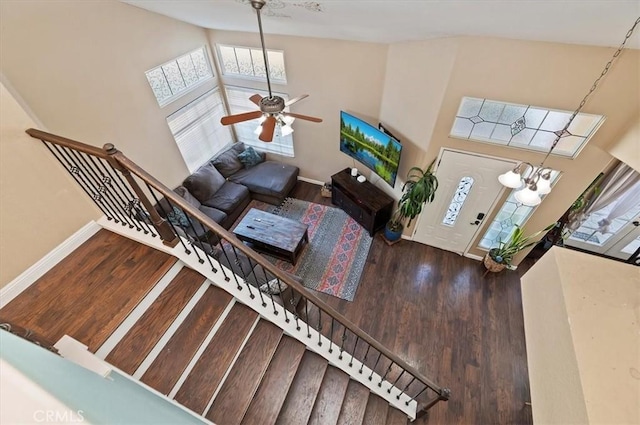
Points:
(370, 146)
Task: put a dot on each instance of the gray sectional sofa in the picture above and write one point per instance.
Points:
(224, 186)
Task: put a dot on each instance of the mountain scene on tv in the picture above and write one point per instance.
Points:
(370, 146)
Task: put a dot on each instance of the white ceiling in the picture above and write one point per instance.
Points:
(590, 22)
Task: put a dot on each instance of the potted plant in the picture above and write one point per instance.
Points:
(419, 188)
(500, 257)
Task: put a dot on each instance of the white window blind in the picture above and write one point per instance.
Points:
(197, 130)
(238, 98)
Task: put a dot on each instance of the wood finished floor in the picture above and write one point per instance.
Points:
(436, 311)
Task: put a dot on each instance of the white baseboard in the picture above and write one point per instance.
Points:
(35, 272)
(474, 257)
(308, 180)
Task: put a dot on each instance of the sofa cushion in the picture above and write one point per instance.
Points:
(182, 191)
(177, 217)
(227, 162)
(269, 178)
(250, 157)
(204, 182)
(229, 197)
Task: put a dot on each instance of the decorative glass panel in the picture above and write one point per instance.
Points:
(523, 126)
(511, 213)
(458, 201)
(174, 78)
(247, 62)
(588, 231)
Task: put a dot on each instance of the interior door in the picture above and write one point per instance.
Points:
(468, 190)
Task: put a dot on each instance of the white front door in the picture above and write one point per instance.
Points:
(468, 190)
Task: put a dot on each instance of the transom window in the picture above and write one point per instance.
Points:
(457, 201)
(197, 130)
(238, 98)
(247, 62)
(523, 126)
(179, 76)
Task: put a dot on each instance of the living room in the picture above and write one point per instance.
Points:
(79, 68)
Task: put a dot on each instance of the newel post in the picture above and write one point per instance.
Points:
(167, 235)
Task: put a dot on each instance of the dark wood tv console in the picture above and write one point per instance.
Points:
(367, 204)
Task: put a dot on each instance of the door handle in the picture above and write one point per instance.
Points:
(636, 223)
(479, 218)
(475, 223)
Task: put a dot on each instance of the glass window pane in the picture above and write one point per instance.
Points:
(457, 201)
(258, 63)
(491, 111)
(228, 58)
(276, 65)
(188, 70)
(469, 107)
(201, 63)
(511, 113)
(245, 65)
(159, 84)
(461, 127)
(174, 77)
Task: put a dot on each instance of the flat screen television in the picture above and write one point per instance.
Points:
(373, 148)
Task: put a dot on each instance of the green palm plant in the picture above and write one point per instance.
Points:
(506, 250)
(419, 189)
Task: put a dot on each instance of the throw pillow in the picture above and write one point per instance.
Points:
(249, 157)
(273, 287)
(227, 162)
(177, 217)
(204, 183)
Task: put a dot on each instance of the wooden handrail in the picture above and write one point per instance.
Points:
(112, 154)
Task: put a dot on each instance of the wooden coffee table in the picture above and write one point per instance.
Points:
(271, 234)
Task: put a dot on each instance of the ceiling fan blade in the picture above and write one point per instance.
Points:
(295, 99)
(232, 119)
(268, 128)
(256, 98)
(302, 117)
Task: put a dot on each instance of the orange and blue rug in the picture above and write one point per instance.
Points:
(333, 260)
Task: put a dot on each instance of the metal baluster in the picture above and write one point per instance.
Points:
(108, 215)
(235, 253)
(354, 350)
(275, 311)
(396, 381)
(365, 358)
(331, 335)
(417, 395)
(284, 301)
(306, 314)
(173, 228)
(373, 369)
(295, 310)
(319, 327)
(385, 374)
(405, 388)
(252, 270)
(344, 338)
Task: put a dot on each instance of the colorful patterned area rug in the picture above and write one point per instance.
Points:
(333, 260)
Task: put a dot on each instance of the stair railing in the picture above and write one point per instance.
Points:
(123, 191)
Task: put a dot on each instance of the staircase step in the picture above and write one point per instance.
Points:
(396, 417)
(330, 397)
(354, 404)
(143, 336)
(103, 279)
(205, 377)
(239, 387)
(268, 400)
(377, 410)
(299, 401)
(167, 368)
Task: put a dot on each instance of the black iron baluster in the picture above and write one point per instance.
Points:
(344, 338)
(373, 369)
(108, 215)
(418, 395)
(331, 335)
(354, 350)
(396, 381)
(405, 388)
(319, 327)
(235, 253)
(385, 374)
(171, 225)
(365, 358)
(295, 310)
(252, 270)
(306, 314)
(284, 301)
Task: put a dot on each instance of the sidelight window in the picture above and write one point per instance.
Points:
(455, 206)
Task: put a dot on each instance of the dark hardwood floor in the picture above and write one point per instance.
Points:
(436, 310)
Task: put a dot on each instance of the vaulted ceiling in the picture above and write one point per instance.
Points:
(589, 22)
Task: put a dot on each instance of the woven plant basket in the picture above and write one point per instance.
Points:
(492, 265)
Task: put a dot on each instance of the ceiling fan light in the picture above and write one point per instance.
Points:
(286, 130)
(258, 130)
(528, 197)
(510, 179)
(288, 119)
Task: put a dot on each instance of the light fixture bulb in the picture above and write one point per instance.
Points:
(258, 130)
(288, 119)
(527, 196)
(510, 179)
(286, 130)
(262, 119)
(544, 184)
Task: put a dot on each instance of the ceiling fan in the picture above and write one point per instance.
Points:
(272, 107)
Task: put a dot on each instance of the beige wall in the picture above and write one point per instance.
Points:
(337, 75)
(41, 205)
(80, 66)
(627, 147)
(544, 74)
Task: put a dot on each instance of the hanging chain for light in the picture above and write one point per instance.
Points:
(593, 88)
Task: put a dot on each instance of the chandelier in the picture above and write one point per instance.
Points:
(533, 181)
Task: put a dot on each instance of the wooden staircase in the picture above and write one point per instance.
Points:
(194, 342)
